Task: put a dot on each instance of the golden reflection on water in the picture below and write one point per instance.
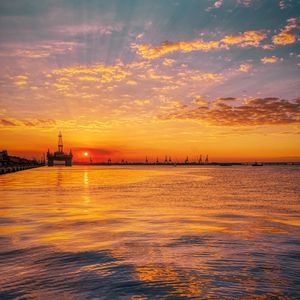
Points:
(176, 232)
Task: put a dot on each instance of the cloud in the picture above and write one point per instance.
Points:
(131, 82)
(282, 4)
(6, 122)
(149, 52)
(41, 123)
(89, 28)
(245, 68)
(21, 77)
(226, 99)
(200, 100)
(88, 78)
(38, 50)
(142, 102)
(168, 62)
(286, 36)
(199, 76)
(218, 3)
(270, 60)
(259, 111)
(20, 80)
(20, 83)
(68, 77)
(246, 39)
(246, 3)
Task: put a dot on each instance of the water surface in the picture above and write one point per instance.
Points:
(90, 232)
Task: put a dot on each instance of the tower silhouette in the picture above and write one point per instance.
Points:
(60, 143)
(59, 155)
(200, 159)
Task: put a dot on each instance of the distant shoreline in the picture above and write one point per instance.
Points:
(188, 164)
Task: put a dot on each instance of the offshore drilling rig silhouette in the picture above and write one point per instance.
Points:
(59, 155)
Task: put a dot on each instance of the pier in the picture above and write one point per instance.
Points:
(10, 163)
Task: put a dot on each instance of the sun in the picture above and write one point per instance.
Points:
(85, 154)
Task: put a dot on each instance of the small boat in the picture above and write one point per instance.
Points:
(256, 164)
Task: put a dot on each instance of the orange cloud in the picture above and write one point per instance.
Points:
(286, 36)
(245, 68)
(12, 122)
(246, 39)
(168, 62)
(206, 76)
(200, 100)
(149, 52)
(260, 111)
(270, 60)
(20, 80)
(131, 82)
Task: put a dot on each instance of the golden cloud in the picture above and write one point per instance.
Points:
(88, 78)
(142, 102)
(246, 39)
(284, 38)
(245, 68)
(168, 62)
(149, 52)
(20, 82)
(131, 82)
(286, 35)
(66, 79)
(270, 60)
(200, 100)
(206, 76)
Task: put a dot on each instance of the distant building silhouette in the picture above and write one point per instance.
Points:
(200, 160)
(206, 159)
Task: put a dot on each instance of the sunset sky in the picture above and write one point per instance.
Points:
(125, 79)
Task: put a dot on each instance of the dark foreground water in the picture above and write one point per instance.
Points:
(150, 233)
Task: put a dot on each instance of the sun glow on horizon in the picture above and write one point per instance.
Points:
(122, 87)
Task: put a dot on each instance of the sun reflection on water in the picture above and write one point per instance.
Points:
(152, 233)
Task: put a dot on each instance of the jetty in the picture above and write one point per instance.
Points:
(10, 163)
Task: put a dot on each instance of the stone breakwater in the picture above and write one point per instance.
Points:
(12, 169)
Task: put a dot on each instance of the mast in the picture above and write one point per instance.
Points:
(60, 143)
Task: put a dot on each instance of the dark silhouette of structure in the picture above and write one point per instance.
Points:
(206, 159)
(10, 163)
(200, 160)
(59, 155)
